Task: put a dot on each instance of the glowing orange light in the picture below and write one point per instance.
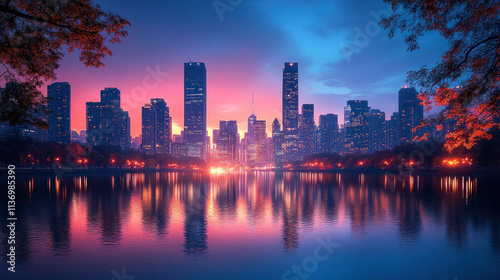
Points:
(291, 64)
(361, 163)
(113, 161)
(57, 159)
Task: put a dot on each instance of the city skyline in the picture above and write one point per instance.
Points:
(247, 58)
(365, 130)
(177, 125)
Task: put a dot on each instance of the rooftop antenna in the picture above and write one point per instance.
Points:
(253, 104)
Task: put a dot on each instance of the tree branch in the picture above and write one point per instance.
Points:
(6, 9)
(475, 46)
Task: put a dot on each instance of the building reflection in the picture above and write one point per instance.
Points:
(199, 206)
(194, 198)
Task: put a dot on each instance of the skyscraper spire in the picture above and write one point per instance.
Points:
(253, 104)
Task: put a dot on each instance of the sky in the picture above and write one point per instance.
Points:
(342, 54)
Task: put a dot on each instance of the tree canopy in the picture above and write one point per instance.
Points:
(463, 86)
(34, 35)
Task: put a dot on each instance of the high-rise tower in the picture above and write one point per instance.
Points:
(59, 118)
(291, 110)
(411, 113)
(195, 109)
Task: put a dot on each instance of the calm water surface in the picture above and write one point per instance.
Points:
(255, 225)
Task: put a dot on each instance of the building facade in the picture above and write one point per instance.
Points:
(59, 115)
(411, 113)
(306, 130)
(195, 109)
(356, 139)
(290, 103)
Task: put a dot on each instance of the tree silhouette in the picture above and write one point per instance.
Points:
(32, 37)
(464, 85)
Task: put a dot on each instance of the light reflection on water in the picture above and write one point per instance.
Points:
(177, 220)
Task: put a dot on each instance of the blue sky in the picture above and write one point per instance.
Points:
(245, 51)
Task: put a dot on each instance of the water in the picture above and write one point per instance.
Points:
(255, 225)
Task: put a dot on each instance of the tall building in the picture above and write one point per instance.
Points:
(149, 133)
(163, 125)
(306, 130)
(260, 137)
(250, 153)
(356, 139)
(411, 113)
(59, 117)
(378, 131)
(111, 116)
(329, 133)
(227, 144)
(278, 144)
(156, 127)
(291, 110)
(393, 138)
(195, 108)
(107, 123)
(255, 140)
(125, 138)
(93, 113)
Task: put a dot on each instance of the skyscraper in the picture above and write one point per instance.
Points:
(125, 138)
(329, 133)
(107, 123)
(195, 108)
(93, 113)
(393, 138)
(59, 118)
(377, 131)
(291, 110)
(148, 129)
(411, 113)
(250, 141)
(260, 137)
(156, 127)
(278, 143)
(163, 125)
(111, 116)
(356, 138)
(227, 144)
(306, 130)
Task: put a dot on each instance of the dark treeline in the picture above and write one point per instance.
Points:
(424, 155)
(30, 153)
